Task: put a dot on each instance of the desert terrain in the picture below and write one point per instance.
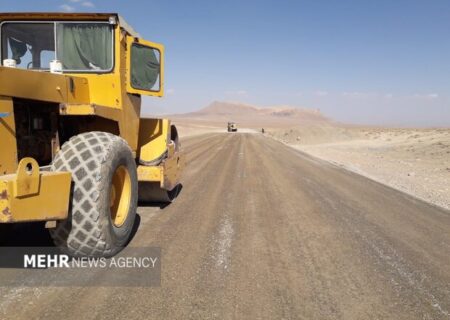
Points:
(416, 161)
(215, 116)
(261, 230)
(264, 230)
(413, 160)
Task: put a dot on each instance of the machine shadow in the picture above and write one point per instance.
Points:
(34, 234)
(30, 234)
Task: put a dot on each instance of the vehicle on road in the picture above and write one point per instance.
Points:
(232, 126)
(74, 151)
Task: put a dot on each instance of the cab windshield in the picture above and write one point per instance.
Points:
(79, 46)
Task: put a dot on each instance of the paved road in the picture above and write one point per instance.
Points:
(262, 231)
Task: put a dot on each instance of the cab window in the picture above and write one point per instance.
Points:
(145, 68)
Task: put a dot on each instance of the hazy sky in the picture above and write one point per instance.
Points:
(380, 62)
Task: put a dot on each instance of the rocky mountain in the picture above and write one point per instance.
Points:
(236, 110)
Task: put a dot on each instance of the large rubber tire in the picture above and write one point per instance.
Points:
(94, 158)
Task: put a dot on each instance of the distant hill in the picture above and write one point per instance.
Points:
(245, 113)
(227, 108)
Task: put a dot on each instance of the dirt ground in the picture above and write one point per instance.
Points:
(264, 231)
(413, 160)
(416, 161)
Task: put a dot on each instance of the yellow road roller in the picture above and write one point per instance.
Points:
(74, 151)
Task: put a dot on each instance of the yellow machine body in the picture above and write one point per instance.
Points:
(82, 102)
(29, 195)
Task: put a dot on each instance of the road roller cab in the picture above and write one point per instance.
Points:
(74, 151)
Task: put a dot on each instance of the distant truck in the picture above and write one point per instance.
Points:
(232, 126)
